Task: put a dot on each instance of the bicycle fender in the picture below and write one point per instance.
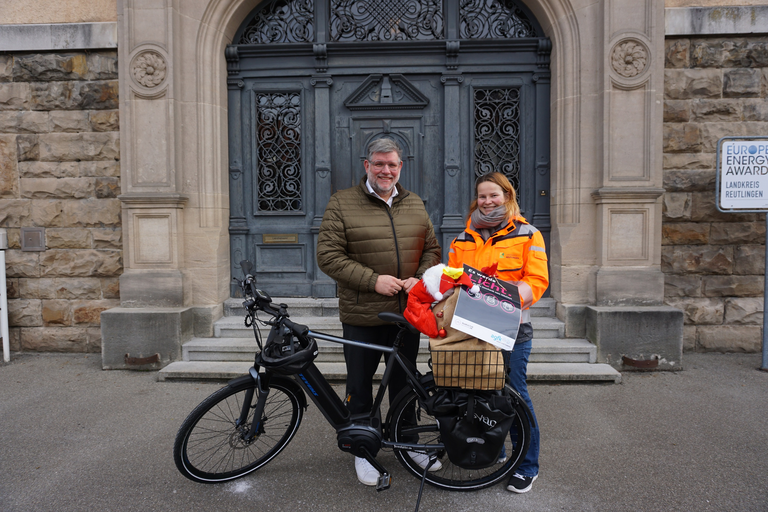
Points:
(239, 380)
(285, 381)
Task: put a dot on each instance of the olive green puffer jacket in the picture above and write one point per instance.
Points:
(361, 238)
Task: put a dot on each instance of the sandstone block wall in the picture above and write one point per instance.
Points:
(714, 262)
(60, 170)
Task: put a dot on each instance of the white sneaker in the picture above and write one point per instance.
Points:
(422, 460)
(366, 473)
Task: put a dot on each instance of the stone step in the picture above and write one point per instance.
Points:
(242, 349)
(547, 327)
(544, 307)
(562, 350)
(234, 327)
(336, 372)
(557, 350)
(308, 306)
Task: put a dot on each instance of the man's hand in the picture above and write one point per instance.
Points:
(410, 283)
(388, 285)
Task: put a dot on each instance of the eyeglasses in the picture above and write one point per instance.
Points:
(381, 165)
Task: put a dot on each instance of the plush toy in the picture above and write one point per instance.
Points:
(433, 287)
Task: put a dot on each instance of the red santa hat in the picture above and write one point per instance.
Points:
(432, 287)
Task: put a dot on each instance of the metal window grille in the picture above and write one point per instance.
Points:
(282, 21)
(278, 140)
(493, 19)
(391, 20)
(497, 133)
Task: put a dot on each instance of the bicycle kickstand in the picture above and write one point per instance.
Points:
(432, 460)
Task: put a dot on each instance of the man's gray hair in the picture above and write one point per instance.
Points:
(384, 146)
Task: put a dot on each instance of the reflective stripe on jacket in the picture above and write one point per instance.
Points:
(518, 248)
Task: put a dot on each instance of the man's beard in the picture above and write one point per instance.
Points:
(381, 191)
(376, 188)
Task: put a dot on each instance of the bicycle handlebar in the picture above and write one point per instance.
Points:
(298, 329)
(263, 302)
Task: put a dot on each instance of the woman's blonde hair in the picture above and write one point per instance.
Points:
(513, 209)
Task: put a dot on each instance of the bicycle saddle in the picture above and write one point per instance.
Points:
(397, 318)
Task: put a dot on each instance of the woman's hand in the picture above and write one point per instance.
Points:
(526, 293)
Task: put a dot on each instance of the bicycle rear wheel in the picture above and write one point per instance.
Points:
(451, 476)
(210, 446)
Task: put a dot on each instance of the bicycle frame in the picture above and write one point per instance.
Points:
(313, 379)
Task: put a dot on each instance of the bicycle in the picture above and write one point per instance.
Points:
(241, 427)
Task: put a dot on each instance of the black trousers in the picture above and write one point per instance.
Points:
(362, 363)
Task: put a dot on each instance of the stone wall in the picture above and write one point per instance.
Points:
(60, 170)
(61, 11)
(714, 262)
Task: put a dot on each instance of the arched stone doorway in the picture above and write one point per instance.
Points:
(605, 146)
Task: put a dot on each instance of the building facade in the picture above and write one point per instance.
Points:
(616, 108)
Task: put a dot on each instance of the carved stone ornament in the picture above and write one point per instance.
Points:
(386, 92)
(148, 69)
(629, 58)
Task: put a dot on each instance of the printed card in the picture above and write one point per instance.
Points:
(493, 314)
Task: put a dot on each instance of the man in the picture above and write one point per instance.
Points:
(375, 241)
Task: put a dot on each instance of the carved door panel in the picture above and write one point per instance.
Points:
(271, 188)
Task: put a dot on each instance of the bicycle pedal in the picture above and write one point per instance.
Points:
(385, 480)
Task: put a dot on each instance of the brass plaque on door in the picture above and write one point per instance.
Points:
(291, 238)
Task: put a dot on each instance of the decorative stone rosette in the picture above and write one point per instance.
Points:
(148, 69)
(629, 58)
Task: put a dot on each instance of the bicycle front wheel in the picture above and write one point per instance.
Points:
(210, 446)
(451, 476)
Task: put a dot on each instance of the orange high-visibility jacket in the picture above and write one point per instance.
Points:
(518, 248)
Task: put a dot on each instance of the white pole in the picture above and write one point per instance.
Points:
(4, 298)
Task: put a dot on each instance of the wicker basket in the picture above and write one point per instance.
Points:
(469, 369)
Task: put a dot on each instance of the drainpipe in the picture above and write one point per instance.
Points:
(4, 298)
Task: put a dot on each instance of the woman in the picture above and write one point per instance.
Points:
(496, 234)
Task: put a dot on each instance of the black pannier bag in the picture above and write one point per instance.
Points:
(473, 425)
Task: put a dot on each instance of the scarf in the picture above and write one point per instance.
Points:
(486, 225)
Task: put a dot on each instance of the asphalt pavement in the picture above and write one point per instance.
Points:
(76, 438)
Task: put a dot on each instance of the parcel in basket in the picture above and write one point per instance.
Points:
(459, 342)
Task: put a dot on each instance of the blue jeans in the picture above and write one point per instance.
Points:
(518, 366)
